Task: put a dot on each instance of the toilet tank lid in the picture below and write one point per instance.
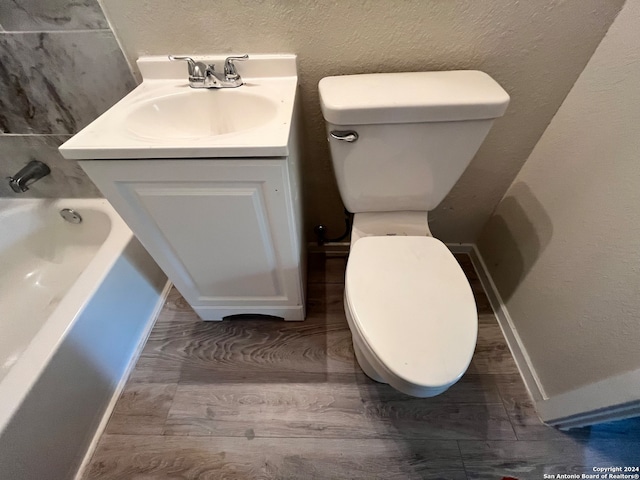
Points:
(411, 97)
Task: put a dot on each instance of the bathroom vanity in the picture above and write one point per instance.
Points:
(208, 181)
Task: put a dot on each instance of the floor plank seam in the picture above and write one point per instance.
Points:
(504, 406)
(464, 467)
(513, 428)
(166, 416)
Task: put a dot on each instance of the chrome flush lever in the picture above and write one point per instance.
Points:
(345, 135)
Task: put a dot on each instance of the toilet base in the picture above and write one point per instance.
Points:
(364, 364)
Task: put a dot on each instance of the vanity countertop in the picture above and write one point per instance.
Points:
(165, 118)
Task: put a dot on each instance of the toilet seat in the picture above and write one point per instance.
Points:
(411, 311)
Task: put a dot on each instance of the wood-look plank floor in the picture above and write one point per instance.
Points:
(270, 399)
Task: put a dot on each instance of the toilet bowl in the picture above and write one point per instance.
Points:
(399, 142)
(411, 313)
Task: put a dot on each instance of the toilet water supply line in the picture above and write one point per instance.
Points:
(321, 230)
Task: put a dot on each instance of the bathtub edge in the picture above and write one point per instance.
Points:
(123, 381)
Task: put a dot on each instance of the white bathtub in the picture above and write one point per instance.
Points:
(76, 304)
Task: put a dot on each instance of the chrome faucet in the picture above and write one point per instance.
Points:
(202, 75)
(30, 173)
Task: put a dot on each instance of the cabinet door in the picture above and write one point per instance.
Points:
(223, 230)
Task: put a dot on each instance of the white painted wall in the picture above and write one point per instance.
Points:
(563, 246)
(536, 50)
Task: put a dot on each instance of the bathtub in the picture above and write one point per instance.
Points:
(77, 302)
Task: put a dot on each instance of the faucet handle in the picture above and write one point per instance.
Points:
(189, 60)
(230, 71)
(196, 69)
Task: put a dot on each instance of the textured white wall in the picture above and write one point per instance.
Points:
(536, 50)
(564, 244)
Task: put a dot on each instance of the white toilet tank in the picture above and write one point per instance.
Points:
(416, 134)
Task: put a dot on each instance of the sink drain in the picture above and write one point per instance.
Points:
(70, 216)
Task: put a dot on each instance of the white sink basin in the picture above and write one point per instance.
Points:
(165, 118)
(200, 113)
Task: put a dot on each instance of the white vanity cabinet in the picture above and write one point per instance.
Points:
(226, 231)
(207, 179)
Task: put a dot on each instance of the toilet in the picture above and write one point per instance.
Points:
(399, 142)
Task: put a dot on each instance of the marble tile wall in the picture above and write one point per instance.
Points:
(60, 68)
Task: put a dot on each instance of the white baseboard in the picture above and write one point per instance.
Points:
(460, 247)
(123, 380)
(610, 399)
(342, 248)
(332, 248)
(613, 398)
(519, 352)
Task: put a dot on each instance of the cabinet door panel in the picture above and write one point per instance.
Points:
(224, 231)
(219, 233)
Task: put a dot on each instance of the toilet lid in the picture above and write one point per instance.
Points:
(413, 306)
